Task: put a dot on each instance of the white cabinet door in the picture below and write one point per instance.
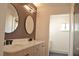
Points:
(35, 50)
(39, 50)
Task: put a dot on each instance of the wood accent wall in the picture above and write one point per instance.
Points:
(21, 32)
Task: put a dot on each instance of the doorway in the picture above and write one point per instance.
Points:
(59, 35)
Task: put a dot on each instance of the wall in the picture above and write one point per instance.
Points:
(43, 16)
(2, 23)
(58, 34)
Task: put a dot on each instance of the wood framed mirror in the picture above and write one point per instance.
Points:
(12, 19)
(29, 25)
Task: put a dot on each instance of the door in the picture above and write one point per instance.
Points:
(59, 33)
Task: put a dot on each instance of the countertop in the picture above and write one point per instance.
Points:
(20, 46)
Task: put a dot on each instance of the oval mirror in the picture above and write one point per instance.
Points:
(29, 25)
(11, 19)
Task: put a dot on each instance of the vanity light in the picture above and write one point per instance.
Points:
(32, 11)
(29, 9)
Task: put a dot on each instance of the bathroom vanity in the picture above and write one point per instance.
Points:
(30, 48)
(21, 23)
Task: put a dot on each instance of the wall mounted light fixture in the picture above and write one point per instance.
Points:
(29, 9)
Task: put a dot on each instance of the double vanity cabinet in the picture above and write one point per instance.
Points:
(32, 48)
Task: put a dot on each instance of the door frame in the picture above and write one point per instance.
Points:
(71, 31)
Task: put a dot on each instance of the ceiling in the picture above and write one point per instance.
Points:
(51, 4)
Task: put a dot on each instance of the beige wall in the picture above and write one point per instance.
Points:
(2, 21)
(43, 16)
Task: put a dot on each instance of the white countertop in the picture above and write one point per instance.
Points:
(20, 46)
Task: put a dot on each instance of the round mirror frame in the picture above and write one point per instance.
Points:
(18, 19)
(33, 25)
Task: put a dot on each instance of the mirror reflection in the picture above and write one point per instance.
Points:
(29, 24)
(11, 19)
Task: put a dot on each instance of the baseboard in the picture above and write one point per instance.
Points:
(58, 51)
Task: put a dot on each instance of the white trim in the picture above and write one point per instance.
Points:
(58, 51)
(71, 32)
